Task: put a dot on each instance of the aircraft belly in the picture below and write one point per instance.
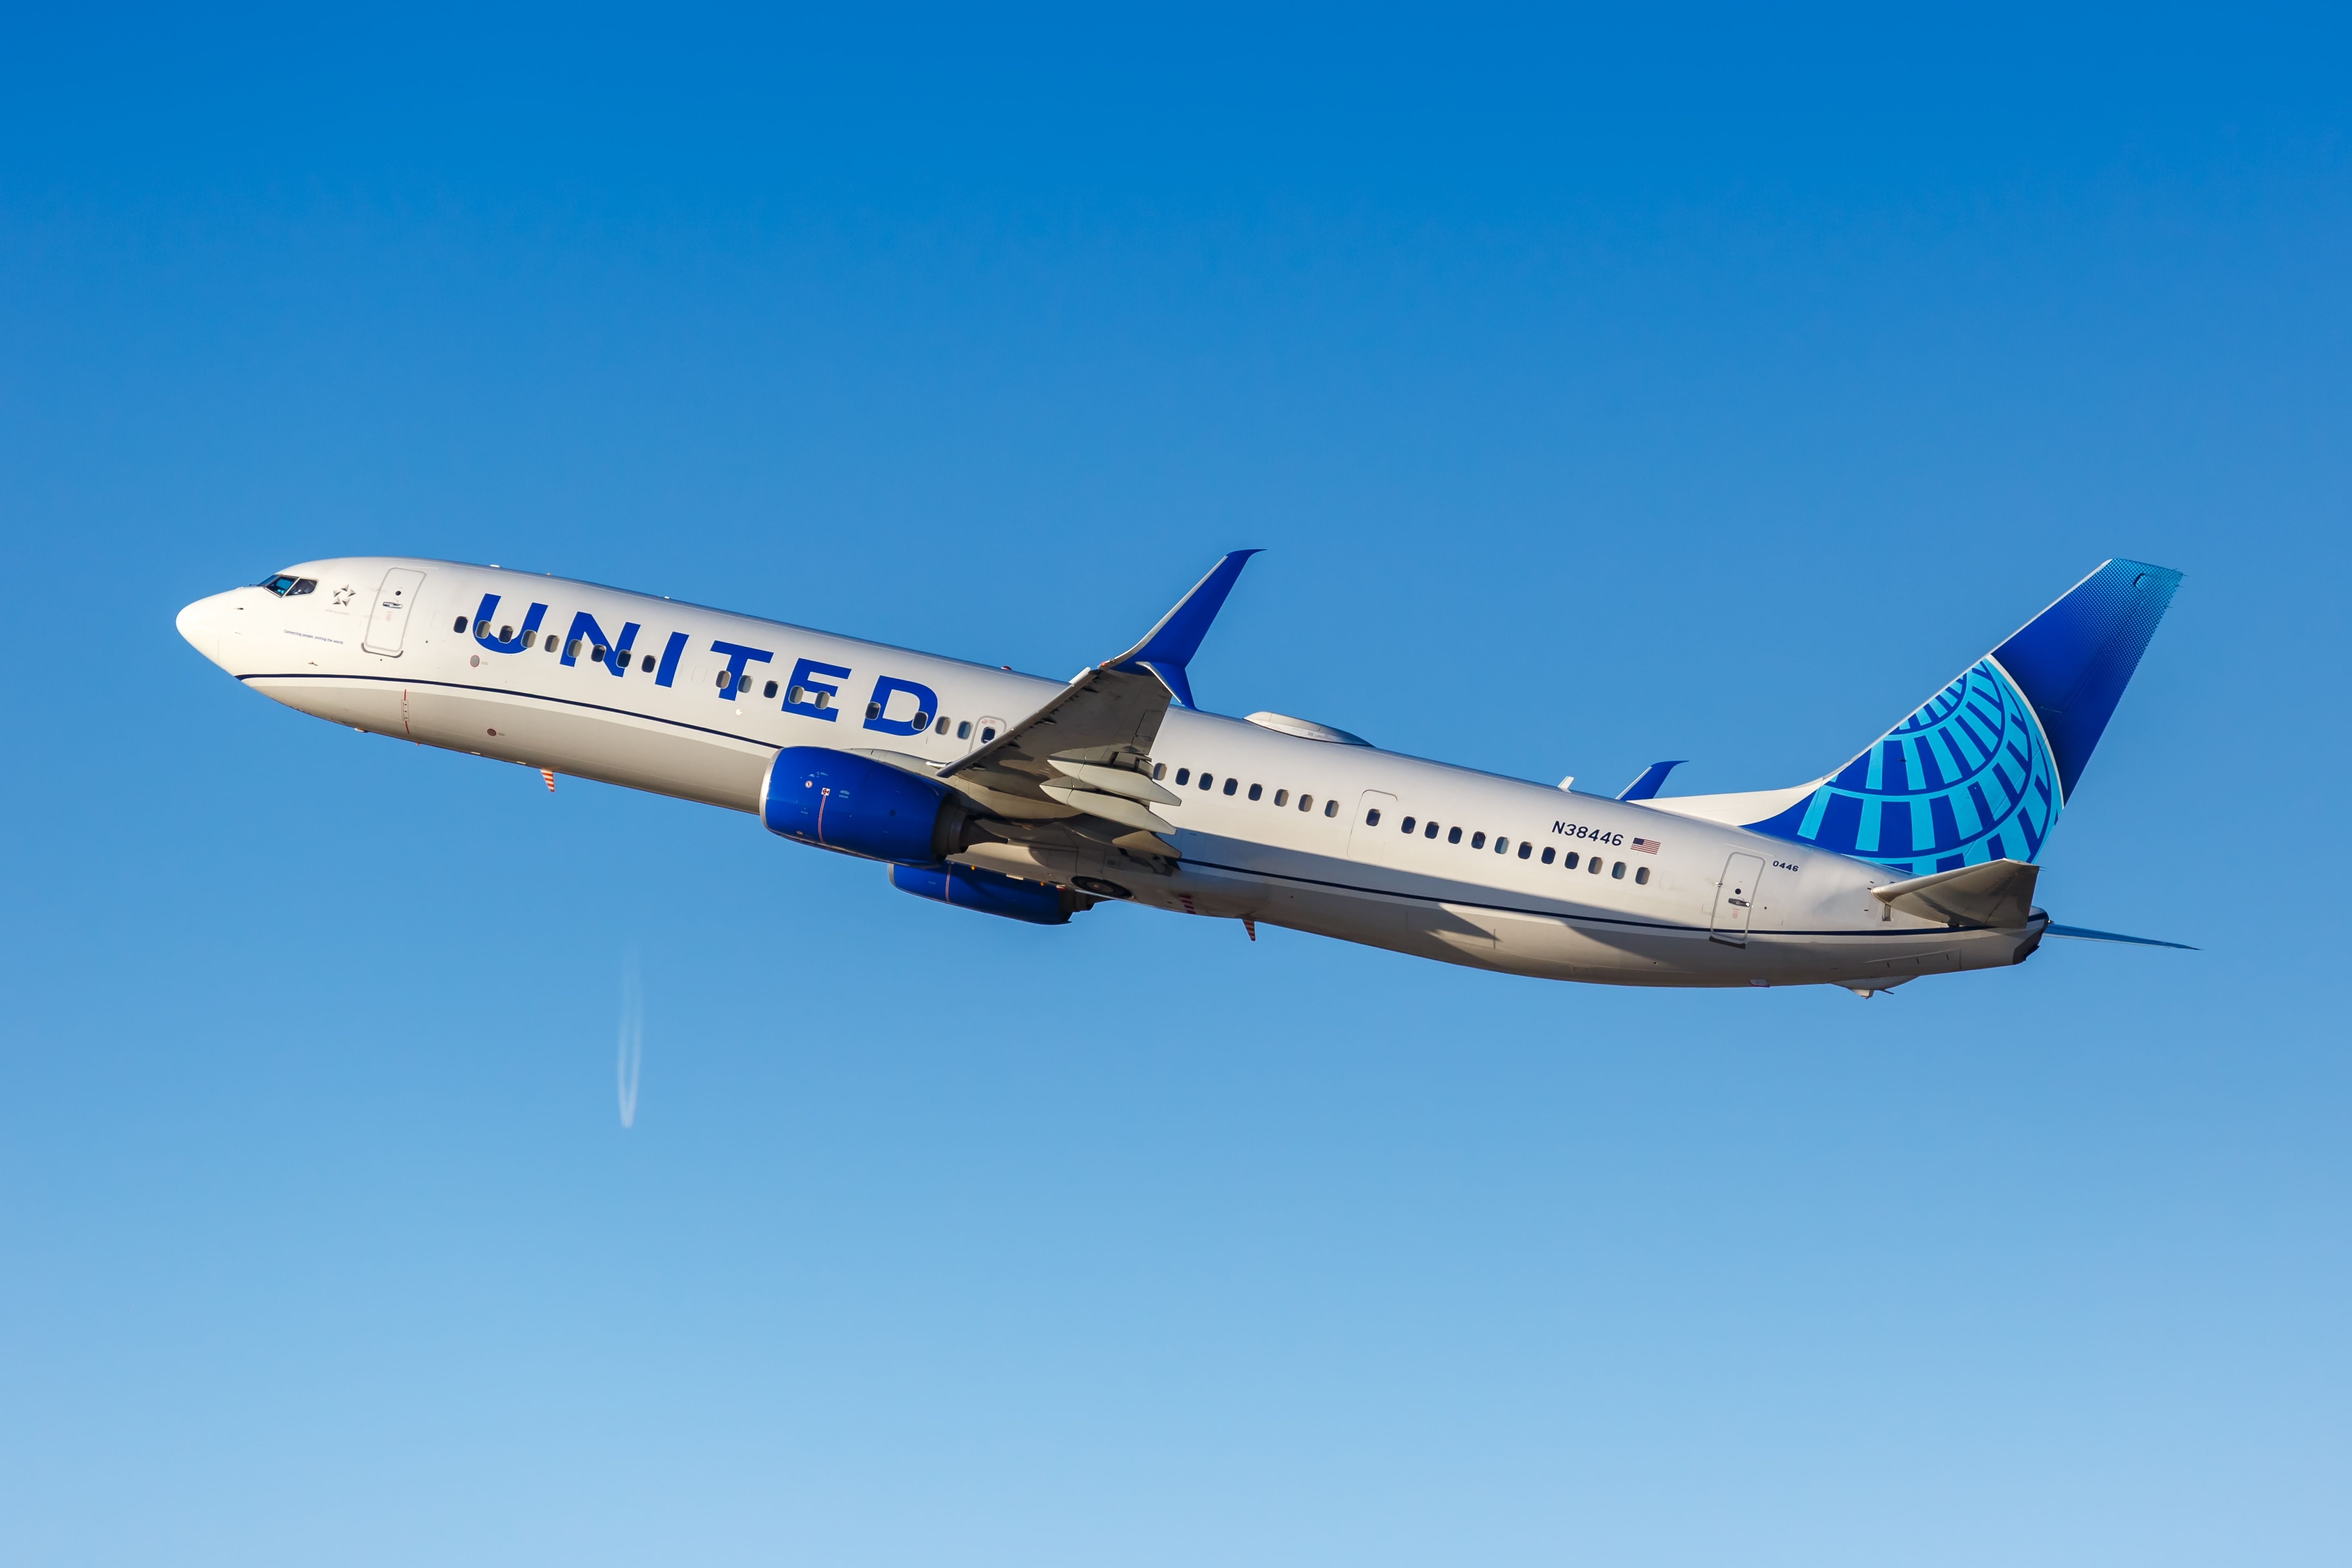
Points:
(635, 754)
(1555, 947)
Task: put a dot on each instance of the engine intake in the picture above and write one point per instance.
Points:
(837, 800)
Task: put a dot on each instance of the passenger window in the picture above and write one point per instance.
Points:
(724, 676)
(1547, 854)
(1502, 845)
(922, 720)
(506, 634)
(1206, 780)
(940, 728)
(963, 728)
(1373, 817)
(986, 735)
(1641, 876)
(874, 710)
(647, 666)
(1231, 784)
(1430, 831)
(1593, 865)
(1453, 836)
(1477, 841)
(460, 626)
(1305, 803)
(1617, 871)
(1184, 776)
(768, 690)
(1330, 808)
(1570, 861)
(551, 642)
(480, 627)
(794, 696)
(1408, 825)
(572, 648)
(1255, 790)
(596, 655)
(1526, 849)
(1282, 798)
(1159, 771)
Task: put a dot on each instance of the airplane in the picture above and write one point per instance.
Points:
(988, 790)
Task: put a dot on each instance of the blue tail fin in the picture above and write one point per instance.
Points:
(1982, 770)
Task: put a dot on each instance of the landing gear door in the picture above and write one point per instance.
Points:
(388, 616)
(1734, 898)
(1375, 816)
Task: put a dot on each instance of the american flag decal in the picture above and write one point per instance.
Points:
(1646, 846)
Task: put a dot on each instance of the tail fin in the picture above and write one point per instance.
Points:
(1982, 770)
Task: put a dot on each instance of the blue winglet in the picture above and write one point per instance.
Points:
(1169, 647)
(1646, 786)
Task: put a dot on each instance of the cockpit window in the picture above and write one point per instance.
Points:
(286, 587)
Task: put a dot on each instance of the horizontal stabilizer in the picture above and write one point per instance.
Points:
(1998, 893)
(1647, 785)
(2085, 934)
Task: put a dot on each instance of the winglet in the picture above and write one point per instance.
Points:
(1646, 786)
(1169, 647)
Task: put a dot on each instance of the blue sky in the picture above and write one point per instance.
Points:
(1600, 388)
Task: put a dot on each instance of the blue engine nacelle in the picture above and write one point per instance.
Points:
(993, 892)
(838, 801)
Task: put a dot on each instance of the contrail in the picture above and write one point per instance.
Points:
(633, 1038)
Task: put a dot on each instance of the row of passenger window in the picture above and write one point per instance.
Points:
(1208, 781)
(730, 684)
(1526, 848)
(597, 655)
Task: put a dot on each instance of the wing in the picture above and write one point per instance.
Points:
(1087, 753)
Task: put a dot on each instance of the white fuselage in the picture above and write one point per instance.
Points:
(1718, 905)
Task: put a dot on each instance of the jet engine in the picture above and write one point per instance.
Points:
(992, 892)
(837, 800)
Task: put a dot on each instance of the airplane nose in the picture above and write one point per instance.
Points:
(200, 625)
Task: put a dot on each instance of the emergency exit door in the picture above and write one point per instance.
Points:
(388, 616)
(1375, 826)
(1734, 898)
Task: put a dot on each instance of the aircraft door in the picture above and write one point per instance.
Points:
(1734, 898)
(984, 729)
(388, 617)
(1375, 817)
